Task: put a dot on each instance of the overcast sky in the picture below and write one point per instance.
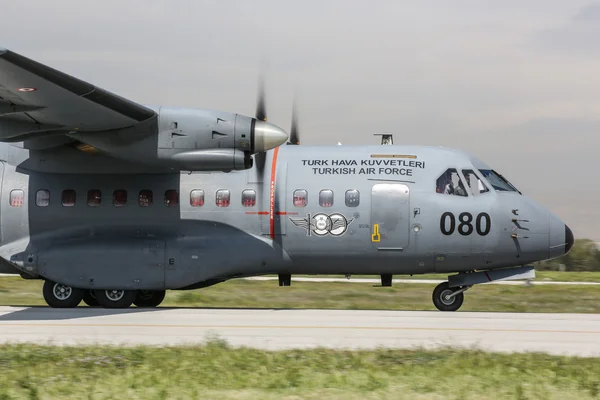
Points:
(517, 83)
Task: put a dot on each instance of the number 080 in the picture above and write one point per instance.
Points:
(465, 226)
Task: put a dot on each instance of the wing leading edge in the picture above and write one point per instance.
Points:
(37, 100)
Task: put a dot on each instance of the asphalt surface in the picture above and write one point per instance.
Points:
(274, 329)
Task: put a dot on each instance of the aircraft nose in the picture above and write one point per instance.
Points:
(569, 239)
(268, 136)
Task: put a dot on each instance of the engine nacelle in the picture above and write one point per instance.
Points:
(191, 140)
(185, 129)
(212, 160)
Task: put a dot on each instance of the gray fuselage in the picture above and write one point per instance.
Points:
(322, 210)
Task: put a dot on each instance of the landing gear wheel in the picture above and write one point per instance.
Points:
(89, 298)
(58, 295)
(113, 298)
(149, 298)
(442, 302)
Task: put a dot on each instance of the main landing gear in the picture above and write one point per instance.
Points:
(149, 298)
(58, 295)
(449, 296)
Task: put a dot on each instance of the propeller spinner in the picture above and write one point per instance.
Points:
(266, 135)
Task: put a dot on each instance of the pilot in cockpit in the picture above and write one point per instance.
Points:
(446, 185)
(475, 190)
(449, 185)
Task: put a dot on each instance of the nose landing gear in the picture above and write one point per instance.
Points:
(448, 296)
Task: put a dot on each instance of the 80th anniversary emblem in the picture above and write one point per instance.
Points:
(321, 224)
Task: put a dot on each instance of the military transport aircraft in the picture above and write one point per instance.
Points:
(113, 202)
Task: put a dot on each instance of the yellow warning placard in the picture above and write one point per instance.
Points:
(375, 237)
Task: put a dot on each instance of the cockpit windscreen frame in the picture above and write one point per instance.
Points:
(497, 181)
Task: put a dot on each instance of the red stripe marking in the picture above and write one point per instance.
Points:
(285, 213)
(272, 193)
(489, 279)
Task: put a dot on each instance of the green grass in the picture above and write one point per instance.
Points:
(333, 295)
(216, 371)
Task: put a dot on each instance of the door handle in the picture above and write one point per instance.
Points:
(375, 237)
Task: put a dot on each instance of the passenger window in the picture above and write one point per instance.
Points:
(17, 198)
(450, 183)
(197, 198)
(145, 198)
(352, 198)
(474, 183)
(42, 198)
(120, 197)
(326, 198)
(222, 198)
(68, 198)
(248, 198)
(171, 198)
(300, 198)
(94, 197)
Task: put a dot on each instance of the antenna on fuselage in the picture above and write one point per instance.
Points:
(386, 138)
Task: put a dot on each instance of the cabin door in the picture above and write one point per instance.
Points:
(390, 213)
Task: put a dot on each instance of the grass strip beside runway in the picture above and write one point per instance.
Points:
(216, 371)
(15, 291)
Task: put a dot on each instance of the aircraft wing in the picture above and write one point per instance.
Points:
(36, 100)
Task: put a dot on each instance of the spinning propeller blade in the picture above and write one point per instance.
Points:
(261, 115)
(261, 108)
(294, 132)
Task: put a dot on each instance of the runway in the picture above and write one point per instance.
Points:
(276, 329)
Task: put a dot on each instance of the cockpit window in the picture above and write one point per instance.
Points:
(474, 183)
(450, 183)
(497, 181)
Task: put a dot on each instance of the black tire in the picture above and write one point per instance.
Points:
(89, 298)
(115, 298)
(61, 296)
(442, 304)
(149, 298)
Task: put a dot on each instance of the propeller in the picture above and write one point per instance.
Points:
(261, 108)
(294, 133)
(261, 115)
